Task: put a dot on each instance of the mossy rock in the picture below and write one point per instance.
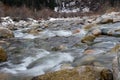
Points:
(3, 55)
(81, 73)
(88, 38)
(89, 26)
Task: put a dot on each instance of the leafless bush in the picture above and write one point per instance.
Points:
(22, 12)
(1, 9)
(45, 13)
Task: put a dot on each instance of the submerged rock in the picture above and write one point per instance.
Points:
(81, 73)
(3, 55)
(34, 31)
(6, 33)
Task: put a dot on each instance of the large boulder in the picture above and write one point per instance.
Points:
(3, 55)
(81, 73)
(6, 33)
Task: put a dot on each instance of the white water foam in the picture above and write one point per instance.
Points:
(43, 34)
(47, 63)
(25, 62)
(39, 64)
(62, 33)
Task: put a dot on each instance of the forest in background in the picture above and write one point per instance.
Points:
(45, 8)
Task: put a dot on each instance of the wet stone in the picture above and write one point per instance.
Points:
(81, 73)
(3, 55)
(88, 38)
(6, 33)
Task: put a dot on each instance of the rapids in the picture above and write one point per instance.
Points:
(58, 43)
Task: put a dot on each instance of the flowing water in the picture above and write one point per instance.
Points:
(58, 45)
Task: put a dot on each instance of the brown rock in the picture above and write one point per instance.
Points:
(60, 47)
(115, 49)
(66, 66)
(89, 51)
(89, 26)
(106, 20)
(88, 38)
(34, 31)
(4, 76)
(76, 31)
(96, 32)
(81, 73)
(106, 74)
(3, 55)
(6, 33)
(12, 27)
(115, 68)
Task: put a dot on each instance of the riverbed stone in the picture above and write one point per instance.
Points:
(3, 55)
(89, 51)
(88, 38)
(6, 33)
(89, 26)
(76, 31)
(12, 27)
(106, 20)
(115, 68)
(96, 32)
(34, 31)
(81, 73)
(4, 43)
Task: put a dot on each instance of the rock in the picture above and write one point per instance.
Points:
(6, 33)
(66, 66)
(4, 76)
(117, 19)
(91, 35)
(106, 74)
(81, 73)
(35, 25)
(3, 55)
(33, 30)
(12, 27)
(115, 68)
(89, 51)
(88, 38)
(8, 76)
(46, 25)
(4, 44)
(110, 32)
(106, 20)
(89, 26)
(59, 48)
(76, 31)
(96, 32)
(115, 49)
